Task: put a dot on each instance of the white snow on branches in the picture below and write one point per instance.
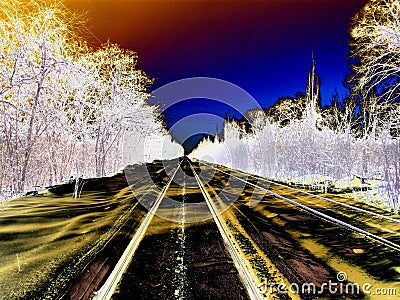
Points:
(64, 108)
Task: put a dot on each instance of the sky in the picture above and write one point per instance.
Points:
(264, 47)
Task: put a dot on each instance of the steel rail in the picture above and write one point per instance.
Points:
(109, 287)
(248, 280)
(320, 214)
(313, 195)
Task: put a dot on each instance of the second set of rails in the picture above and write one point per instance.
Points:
(372, 229)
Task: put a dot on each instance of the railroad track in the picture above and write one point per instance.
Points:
(244, 264)
(351, 207)
(250, 282)
(316, 212)
(109, 287)
(248, 279)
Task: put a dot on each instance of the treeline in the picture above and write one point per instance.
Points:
(65, 107)
(353, 141)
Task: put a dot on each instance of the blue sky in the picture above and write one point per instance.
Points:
(262, 46)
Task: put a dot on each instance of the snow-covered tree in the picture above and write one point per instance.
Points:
(115, 92)
(320, 148)
(375, 49)
(34, 45)
(375, 33)
(64, 108)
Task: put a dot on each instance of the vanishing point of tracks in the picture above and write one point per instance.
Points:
(259, 239)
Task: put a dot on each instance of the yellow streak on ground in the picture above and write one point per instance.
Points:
(271, 215)
(381, 227)
(44, 236)
(358, 251)
(354, 273)
(161, 226)
(353, 198)
(257, 255)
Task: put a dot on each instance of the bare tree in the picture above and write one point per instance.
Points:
(375, 49)
(64, 107)
(321, 154)
(120, 93)
(33, 48)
